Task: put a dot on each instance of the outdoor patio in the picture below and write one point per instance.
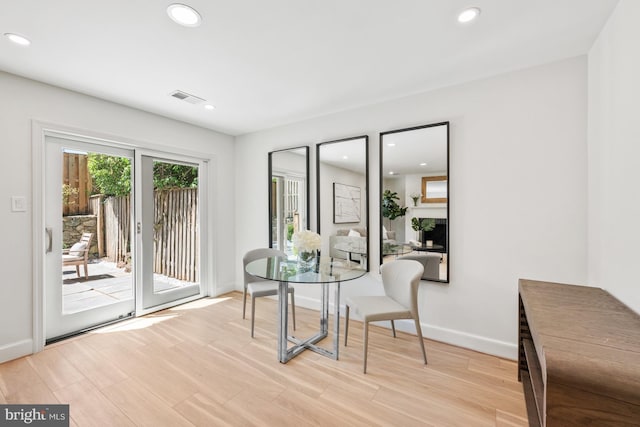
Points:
(106, 285)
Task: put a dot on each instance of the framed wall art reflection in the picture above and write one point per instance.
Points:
(346, 204)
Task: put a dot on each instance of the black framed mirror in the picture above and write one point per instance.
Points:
(342, 168)
(288, 196)
(414, 197)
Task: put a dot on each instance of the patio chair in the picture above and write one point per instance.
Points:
(78, 254)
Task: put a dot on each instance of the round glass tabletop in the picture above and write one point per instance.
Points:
(282, 269)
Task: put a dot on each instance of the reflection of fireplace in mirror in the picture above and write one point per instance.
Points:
(438, 235)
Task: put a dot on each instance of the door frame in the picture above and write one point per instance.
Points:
(41, 129)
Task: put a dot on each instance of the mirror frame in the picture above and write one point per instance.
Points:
(448, 179)
(366, 189)
(270, 190)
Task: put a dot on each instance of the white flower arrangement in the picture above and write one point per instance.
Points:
(306, 241)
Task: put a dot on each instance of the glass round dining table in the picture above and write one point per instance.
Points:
(325, 271)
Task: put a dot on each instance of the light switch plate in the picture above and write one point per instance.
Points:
(18, 204)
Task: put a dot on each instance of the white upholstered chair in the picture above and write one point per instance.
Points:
(400, 279)
(261, 288)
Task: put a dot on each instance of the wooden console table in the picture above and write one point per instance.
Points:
(579, 356)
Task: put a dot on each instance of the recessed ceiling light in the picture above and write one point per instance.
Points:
(345, 157)
(391, 144)
(184, 15)
(423, 164)
(209, 107)
(18, 39)
(391, 173)
(468, 15)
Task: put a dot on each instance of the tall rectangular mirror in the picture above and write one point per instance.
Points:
(288, 196)
(414, 197)
(343, 194)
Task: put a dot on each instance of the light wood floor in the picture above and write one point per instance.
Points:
(197, 365)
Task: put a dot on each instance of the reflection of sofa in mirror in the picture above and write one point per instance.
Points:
(430, 262)
(342, 236)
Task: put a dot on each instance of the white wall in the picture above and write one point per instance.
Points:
(518, 195)
(614, 150)
(26, 100)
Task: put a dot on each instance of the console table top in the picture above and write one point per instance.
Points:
(585, 338)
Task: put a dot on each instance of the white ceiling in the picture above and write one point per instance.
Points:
(265, 63)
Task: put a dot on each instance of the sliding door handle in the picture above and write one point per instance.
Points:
(49, 232)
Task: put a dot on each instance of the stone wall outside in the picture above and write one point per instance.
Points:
(74, 225)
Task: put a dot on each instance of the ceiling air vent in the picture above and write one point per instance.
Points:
(184, 96)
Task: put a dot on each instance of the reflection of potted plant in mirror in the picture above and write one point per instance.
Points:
(390, 207)
(422, 226)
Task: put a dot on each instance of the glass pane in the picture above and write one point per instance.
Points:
(96, 238)
(176, 255)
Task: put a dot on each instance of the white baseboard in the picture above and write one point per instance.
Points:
(479, 343)
(15, 350)
(313, 303)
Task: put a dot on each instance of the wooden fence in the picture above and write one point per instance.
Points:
(117, 228)
(77, 184)
(176, 237)
(96, 207)
(176, 240)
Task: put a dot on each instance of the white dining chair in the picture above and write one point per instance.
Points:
(262, 288)
(400, 279)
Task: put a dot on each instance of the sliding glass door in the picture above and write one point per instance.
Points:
(169, 229)
(288, 210)
(122, 233)
(89, 260)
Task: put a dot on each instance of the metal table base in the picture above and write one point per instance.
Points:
(284, 352)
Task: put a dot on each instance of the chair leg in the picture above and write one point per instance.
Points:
(78, 271)
(86, 272)
(365, 345)
(346, 324)
(253, 313)
(293, 309)
(244, 302)
(393, 328)
(419, 332)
